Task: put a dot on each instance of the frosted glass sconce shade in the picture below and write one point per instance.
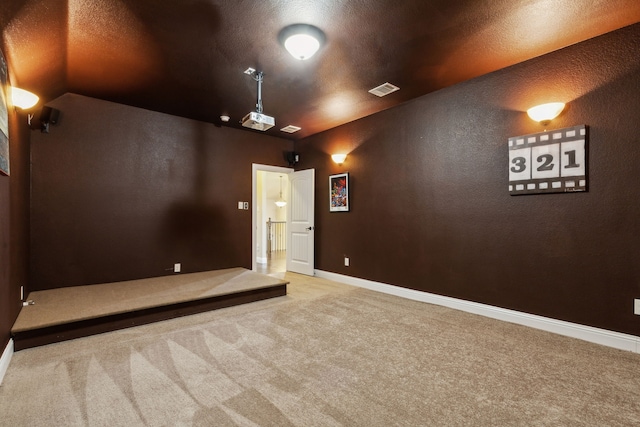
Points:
(544, 113)
(339, 158)
(23, 98)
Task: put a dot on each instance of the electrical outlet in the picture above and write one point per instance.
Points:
(177, 267)
(636, 306)
(346, 261)
(246, 206)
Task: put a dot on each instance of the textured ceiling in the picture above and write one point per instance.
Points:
(187, 57)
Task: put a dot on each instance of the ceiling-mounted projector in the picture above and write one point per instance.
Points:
(255, 119)
(258, 121)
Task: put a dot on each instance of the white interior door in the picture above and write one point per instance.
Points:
(300, 217)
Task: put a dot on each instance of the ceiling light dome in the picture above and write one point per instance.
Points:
(302, 41)
(302, 46)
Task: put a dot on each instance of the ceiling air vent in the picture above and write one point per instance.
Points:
(384, 89)
(290, 129)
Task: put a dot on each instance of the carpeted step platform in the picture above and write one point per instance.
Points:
(79, 311)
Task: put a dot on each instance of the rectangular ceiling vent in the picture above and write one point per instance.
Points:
(384, 89)
(290, 129)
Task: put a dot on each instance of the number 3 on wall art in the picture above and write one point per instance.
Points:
(549, 162)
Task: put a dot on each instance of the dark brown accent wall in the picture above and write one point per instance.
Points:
(431, 208)
(14, 224)
(121, 193)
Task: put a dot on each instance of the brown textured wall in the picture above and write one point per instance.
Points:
(6, 318)
(35, 34)
(121, 193)
(5, 286)
(14, 224)
(19, 212)
(431, 208)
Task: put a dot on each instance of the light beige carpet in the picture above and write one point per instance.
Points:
(325, 355)
(63, 305)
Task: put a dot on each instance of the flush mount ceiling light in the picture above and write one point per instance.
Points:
(302, 41)
(23, 98)
(544, 113)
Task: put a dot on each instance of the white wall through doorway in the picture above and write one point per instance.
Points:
(265, 192)
(269, 188)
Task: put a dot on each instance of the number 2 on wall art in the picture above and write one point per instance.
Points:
(549, 162)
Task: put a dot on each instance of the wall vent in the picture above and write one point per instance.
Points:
(290, 129)
(384, 89)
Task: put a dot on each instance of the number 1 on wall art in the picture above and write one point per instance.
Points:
(549, 162)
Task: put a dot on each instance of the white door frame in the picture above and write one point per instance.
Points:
(255, 167)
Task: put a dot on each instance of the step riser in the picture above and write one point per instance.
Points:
(63, 332)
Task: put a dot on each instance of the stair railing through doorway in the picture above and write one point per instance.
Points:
(276, 236)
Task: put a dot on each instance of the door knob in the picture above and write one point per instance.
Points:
(309, 228)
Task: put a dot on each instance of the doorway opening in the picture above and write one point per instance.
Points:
(270, 185)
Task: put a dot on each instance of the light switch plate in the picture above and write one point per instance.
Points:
(177, 267)
(240, 205)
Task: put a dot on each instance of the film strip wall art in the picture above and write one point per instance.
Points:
(549, 162)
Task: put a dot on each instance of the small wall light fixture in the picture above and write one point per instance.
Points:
(544, 113)
(339, 158)
(302, 41)
(23, 98)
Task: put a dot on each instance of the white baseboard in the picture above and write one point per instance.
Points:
(587, 333)
(261, 260)
(6, 359)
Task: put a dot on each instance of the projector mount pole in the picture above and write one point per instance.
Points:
(257, 120)
(259, 77)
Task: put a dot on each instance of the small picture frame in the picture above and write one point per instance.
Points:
(339, 192)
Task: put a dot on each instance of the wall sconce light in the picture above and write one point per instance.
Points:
(339, 158)
(544, 113)
(302, 41)
(23, 98)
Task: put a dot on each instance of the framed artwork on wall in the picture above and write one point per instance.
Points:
(549, 162)
(339, 192)
(4, 117)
